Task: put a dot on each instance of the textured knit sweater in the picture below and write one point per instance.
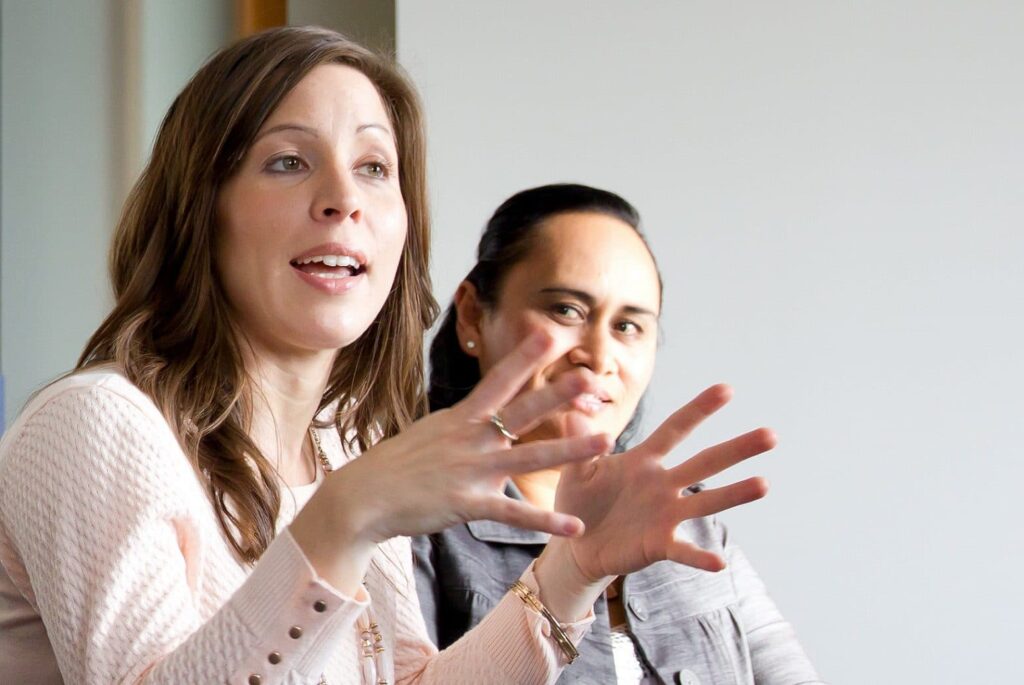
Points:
(113, 569)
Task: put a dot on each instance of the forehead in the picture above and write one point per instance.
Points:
(596, 253)
(331, 95)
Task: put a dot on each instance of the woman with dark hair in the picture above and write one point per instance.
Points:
(222, 489)
(571, 261)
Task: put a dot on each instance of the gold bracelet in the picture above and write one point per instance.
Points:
(564, 643)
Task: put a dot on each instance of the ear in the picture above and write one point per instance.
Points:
(468, 315)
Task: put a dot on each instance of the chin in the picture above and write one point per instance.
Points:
(580, 426)
(335, 342)
(336, 332)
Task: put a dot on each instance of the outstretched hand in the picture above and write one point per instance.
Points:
(451, 466)
(632, 505)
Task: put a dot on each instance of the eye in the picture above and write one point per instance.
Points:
(628, 327)
(567, 312)
(287, 164)
(376, 169)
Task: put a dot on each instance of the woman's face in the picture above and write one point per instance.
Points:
(311, 227)
(590, 282)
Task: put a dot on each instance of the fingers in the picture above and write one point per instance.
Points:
(507, 377)
(712, 501)
(526, 411)
(676, 427)
(524, 515)
(716, 459)
(543, 454)
(689, 554)
(707, 503)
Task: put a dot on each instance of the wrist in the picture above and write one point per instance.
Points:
(332, 533)
(562, 586)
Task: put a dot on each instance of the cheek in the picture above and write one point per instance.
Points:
(502, 333)
(392, 236)
(638, 368)
(228, 258)
(247, 255)
(249, 223)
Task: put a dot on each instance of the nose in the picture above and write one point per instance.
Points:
(594, 350)
(338, 197)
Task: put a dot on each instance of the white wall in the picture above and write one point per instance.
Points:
(60, 170)
(175, 39)
(85, 86)
(834, 193)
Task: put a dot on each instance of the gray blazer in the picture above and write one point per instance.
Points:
(691, 627)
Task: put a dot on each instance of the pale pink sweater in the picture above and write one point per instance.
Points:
(113, 569)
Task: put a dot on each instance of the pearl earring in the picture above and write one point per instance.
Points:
(470, 345)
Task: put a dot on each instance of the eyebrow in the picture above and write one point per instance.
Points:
(588, 299)
(288, 127)
(381, 127)
(313, 132)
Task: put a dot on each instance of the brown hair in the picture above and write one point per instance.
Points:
(170, 332)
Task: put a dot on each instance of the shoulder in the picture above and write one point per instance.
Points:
(87, 395)
(93, 429)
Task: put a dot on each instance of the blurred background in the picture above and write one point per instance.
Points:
(833, 191)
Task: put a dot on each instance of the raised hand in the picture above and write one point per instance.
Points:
(447, 468)
(632, 505)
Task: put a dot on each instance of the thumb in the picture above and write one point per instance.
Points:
(581, 470)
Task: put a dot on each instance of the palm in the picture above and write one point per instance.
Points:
(606, 496)
(632, 505)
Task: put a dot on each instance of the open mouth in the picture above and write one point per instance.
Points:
(329, 266)
(591, 403)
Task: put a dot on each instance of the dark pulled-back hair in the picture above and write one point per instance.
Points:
(507, 239)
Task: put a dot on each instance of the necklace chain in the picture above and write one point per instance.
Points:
(321, 456)
(371, 641)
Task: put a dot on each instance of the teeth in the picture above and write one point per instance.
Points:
(331, 260)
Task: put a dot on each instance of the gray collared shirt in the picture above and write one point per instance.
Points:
(690, 626)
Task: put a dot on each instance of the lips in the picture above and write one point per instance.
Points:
(332, 267)
(591, 403)
(330, 258)
(324, 268)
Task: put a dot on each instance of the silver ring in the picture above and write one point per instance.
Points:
(500, 425)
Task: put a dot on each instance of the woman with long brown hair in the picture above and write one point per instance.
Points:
(187, 505)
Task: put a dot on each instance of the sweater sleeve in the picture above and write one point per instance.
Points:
(102, 510)
(775, 653)
(512, 644)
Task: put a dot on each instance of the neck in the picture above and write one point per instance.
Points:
(286, 394)
(539, 487)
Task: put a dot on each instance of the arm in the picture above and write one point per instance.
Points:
(511, 645)
(775, 653)
(118, 549)
(126, 566)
